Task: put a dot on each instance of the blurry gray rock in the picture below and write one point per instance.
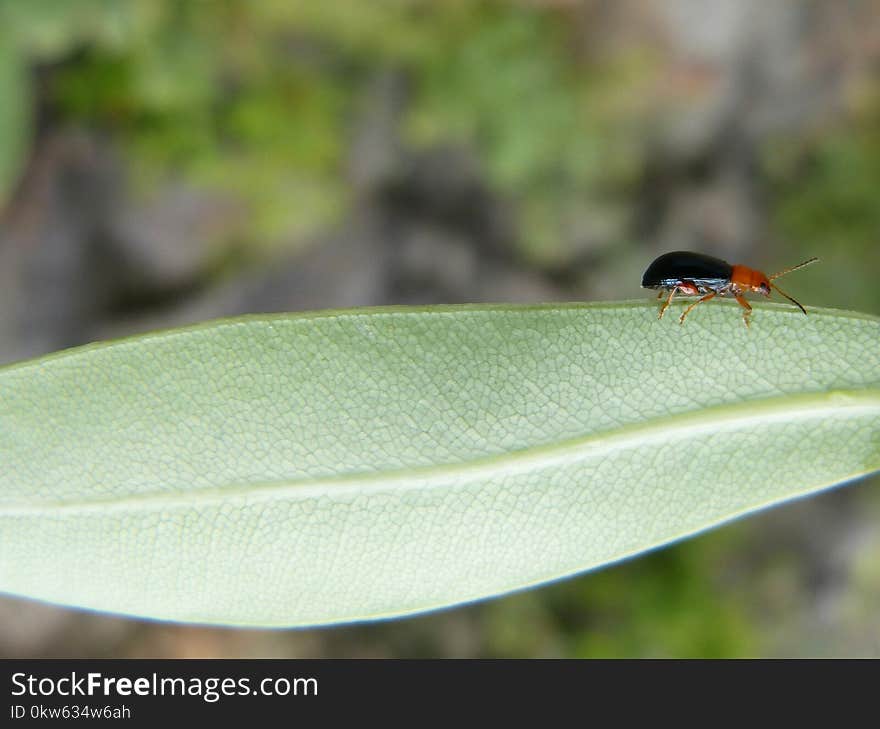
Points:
(340, 270)
(376, 152)
(168, 241)
(31, 629)
(54, 279)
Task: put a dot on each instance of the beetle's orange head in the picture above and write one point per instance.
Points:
(750, 279)
(753, 280)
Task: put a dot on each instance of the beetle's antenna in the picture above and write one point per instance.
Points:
(793, 268)
(785, 294)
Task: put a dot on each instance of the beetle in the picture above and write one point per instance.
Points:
(696, 274)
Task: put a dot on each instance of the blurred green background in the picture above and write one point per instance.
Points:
(163, 162)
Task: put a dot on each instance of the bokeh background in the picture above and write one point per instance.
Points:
(164, 162)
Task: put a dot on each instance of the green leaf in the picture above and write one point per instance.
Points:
(318, 468)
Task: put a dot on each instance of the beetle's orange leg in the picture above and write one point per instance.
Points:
(660, 294)
(668, 302)
(698, 301)
(745, 305)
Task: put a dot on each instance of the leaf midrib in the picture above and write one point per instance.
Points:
(786, 408)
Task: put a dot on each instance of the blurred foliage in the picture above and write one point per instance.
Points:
(42, 31)
(257, 99)
(48, 29)
(681, 601)
(557, 135)
(14, 106)
(225, 101)
(824, 189)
